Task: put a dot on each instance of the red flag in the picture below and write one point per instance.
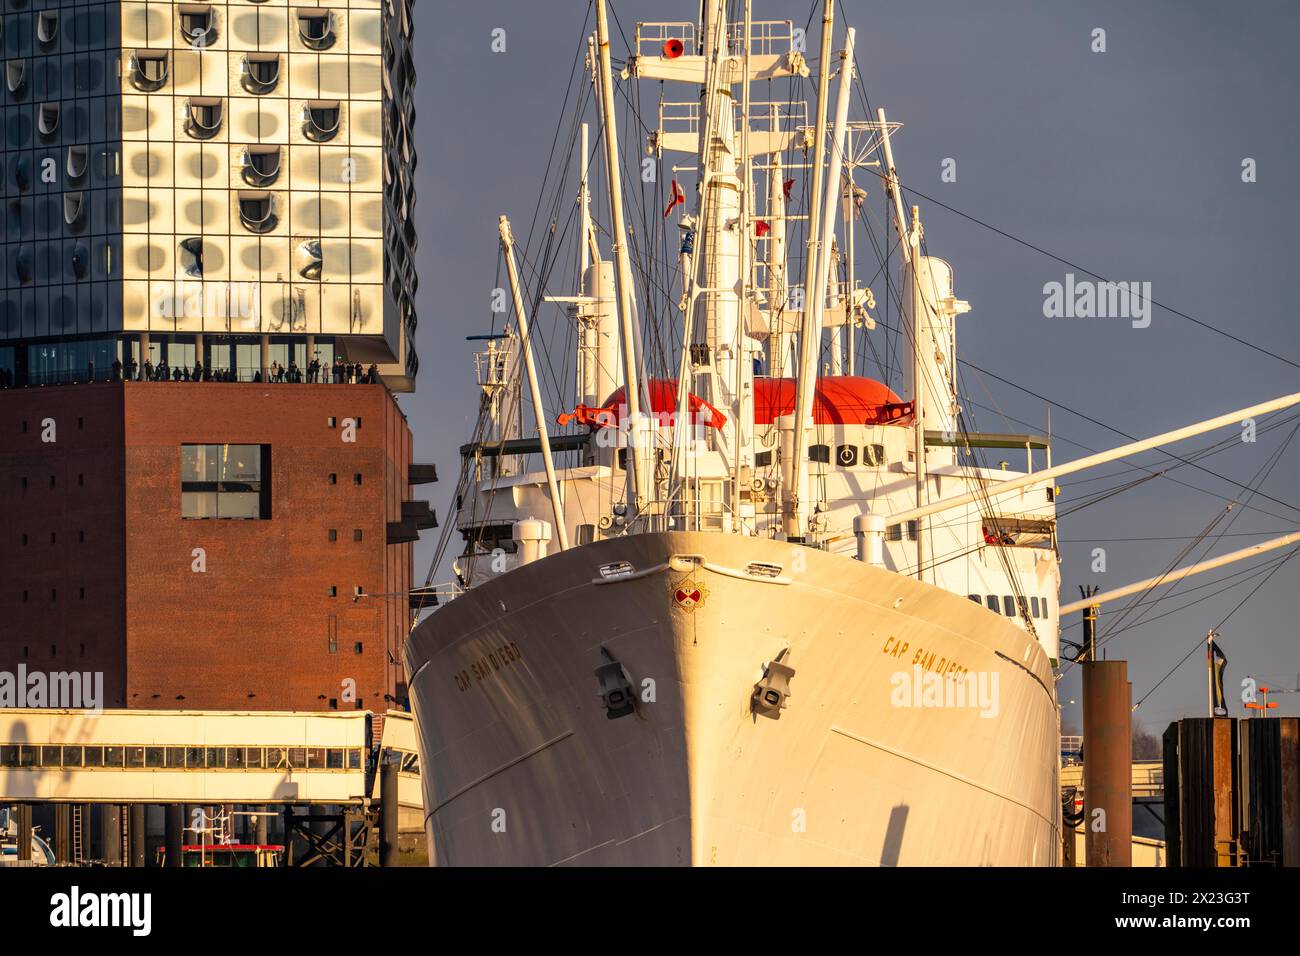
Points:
(787, 186)
(679, 197)
(761, 228)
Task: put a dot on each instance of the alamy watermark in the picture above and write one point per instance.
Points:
(1087, 299)
(62, 690)
(976, 690)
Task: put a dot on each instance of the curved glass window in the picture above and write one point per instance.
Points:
(47, 119)
(261, 165)
(316, 28)
(47, 26)
(190, 256)
(80, 261)
(148, 69)
(321, 120)
(260, 72)
(73, 206)
(310, 261)
(257, 211)
(197, 23)
(16, 75)
(78, 161)
(204, 116)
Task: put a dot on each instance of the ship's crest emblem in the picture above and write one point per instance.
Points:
(689, 594)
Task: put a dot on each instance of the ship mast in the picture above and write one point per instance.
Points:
(815, 299)
(638, 479)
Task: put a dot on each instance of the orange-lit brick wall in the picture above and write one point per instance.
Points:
(257, 628)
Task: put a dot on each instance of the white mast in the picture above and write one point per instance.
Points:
(638, 479)
(742, 386)
(778, 353)
(815, 300)
(535, 392)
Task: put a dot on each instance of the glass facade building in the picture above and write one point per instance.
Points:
(224, 184)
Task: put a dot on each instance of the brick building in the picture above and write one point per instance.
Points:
(204, 544)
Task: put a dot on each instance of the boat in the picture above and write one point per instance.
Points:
(740, 603)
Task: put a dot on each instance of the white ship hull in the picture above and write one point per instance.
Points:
(521, 766)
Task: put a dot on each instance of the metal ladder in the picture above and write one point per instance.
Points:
(78, 844)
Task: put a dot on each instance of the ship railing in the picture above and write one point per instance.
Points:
(683, 116)
(182, 373)
(766, 37)
(491, 368)
(652, 35)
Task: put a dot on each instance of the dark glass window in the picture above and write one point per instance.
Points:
(1008, 605)
(225, 481)
(819, 453)
(992, 601)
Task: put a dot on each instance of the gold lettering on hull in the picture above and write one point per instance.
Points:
(928, 661)
(487, 665)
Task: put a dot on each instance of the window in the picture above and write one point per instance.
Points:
(321, 120)
(356, 534)
(333, 590)
(1008, 605)
(334, 478)
(189, 256)
(847, 455)
(333, 535)
(1033, 605)
(260, 72)
(16, 76)
(148, 69)
(225, 481)
(356, 478)
(309, 259)
(819, 453)
(197, 25)
(763, 459)
(873, 456)
(992, 602)
(77, 162)
(1022, 606)
(356, 648)
(261, 165)
(47, 27)
(257, 211)
(975, 598)
(47, 119)
(203, 119)
(315, 28)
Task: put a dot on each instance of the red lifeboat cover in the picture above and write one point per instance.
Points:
(838, 400)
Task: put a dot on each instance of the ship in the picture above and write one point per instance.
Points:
(739, 603)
